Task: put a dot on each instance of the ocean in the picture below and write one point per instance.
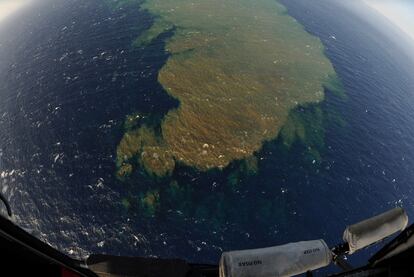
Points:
(69, 76)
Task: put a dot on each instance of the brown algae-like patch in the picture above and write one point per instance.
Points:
(237, 68)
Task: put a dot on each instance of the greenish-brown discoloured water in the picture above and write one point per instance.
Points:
(238, 68)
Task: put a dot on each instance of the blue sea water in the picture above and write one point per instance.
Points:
(68, 78)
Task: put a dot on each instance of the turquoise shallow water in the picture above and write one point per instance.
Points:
(68, 78)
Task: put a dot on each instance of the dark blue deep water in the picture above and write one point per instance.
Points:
(68, 78)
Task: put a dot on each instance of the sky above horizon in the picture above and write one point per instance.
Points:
(7, 7)
(398, 12)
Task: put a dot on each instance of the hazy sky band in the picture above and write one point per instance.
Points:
(399, 12)
(7, 7)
